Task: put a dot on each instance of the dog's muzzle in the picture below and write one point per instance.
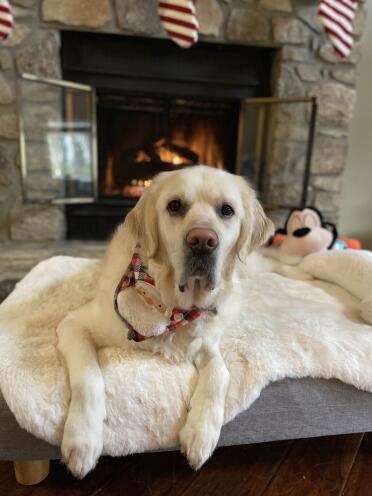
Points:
(201, 255)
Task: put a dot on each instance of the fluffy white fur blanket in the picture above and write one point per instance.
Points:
(290, 328)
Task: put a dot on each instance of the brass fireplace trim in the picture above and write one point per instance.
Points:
(260, 139)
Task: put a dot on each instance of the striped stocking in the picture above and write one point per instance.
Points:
(337, 17)
(6, 19)
(179, 20)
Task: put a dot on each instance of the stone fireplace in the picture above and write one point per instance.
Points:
(284, 32)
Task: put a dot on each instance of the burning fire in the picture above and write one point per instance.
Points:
(203, 142)
(201, 147)
(136, 187)
(167, 155)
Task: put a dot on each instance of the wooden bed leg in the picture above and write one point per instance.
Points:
(31, 472)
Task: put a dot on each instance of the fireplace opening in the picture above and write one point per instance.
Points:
(159, 108)
(140, 137)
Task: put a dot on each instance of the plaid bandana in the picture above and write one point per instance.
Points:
(136, 271)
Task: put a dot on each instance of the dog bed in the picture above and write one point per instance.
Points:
(289, 328)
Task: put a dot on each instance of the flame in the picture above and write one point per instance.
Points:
(201, 142)
(142, 157)
(167, 155)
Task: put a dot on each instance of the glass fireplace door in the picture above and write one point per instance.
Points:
(57, 141)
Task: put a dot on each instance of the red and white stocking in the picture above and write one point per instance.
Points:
(179, 20)
(337, 17)
(6, 19)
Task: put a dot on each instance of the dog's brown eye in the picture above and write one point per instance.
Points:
(227, 210)
(174, 206)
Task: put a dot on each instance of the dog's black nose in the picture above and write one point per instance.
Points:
(202, 240)
(300, 233)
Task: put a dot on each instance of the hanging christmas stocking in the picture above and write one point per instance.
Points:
(179, 20)
(337, 17)
(6, 19)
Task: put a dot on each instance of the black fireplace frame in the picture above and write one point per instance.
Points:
(135, 65)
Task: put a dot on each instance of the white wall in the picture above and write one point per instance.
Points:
(356, 211)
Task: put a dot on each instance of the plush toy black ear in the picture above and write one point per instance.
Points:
(327, 225)
(331, 227)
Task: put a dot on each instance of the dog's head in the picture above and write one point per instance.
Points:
(193, 224)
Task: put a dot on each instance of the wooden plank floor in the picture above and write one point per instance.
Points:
(329, 466)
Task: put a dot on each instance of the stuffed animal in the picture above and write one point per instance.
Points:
(142, 308)
(306, 232)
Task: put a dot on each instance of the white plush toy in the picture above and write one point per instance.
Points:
(142, 309)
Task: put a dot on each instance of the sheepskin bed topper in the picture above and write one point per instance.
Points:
(289, 328)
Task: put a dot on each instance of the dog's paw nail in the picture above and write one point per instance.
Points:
(198, 443)
(81, 458)
(82, 445)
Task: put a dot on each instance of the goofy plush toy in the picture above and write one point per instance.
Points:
(305, 232)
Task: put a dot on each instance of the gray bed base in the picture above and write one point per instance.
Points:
(287, 409)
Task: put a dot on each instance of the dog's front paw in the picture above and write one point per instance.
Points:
(198, 440)
(82, 444)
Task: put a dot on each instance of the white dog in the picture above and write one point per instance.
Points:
(190, 228)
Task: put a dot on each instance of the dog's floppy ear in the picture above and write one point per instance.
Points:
(142, 223)
(256, 226)
(262, 228)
